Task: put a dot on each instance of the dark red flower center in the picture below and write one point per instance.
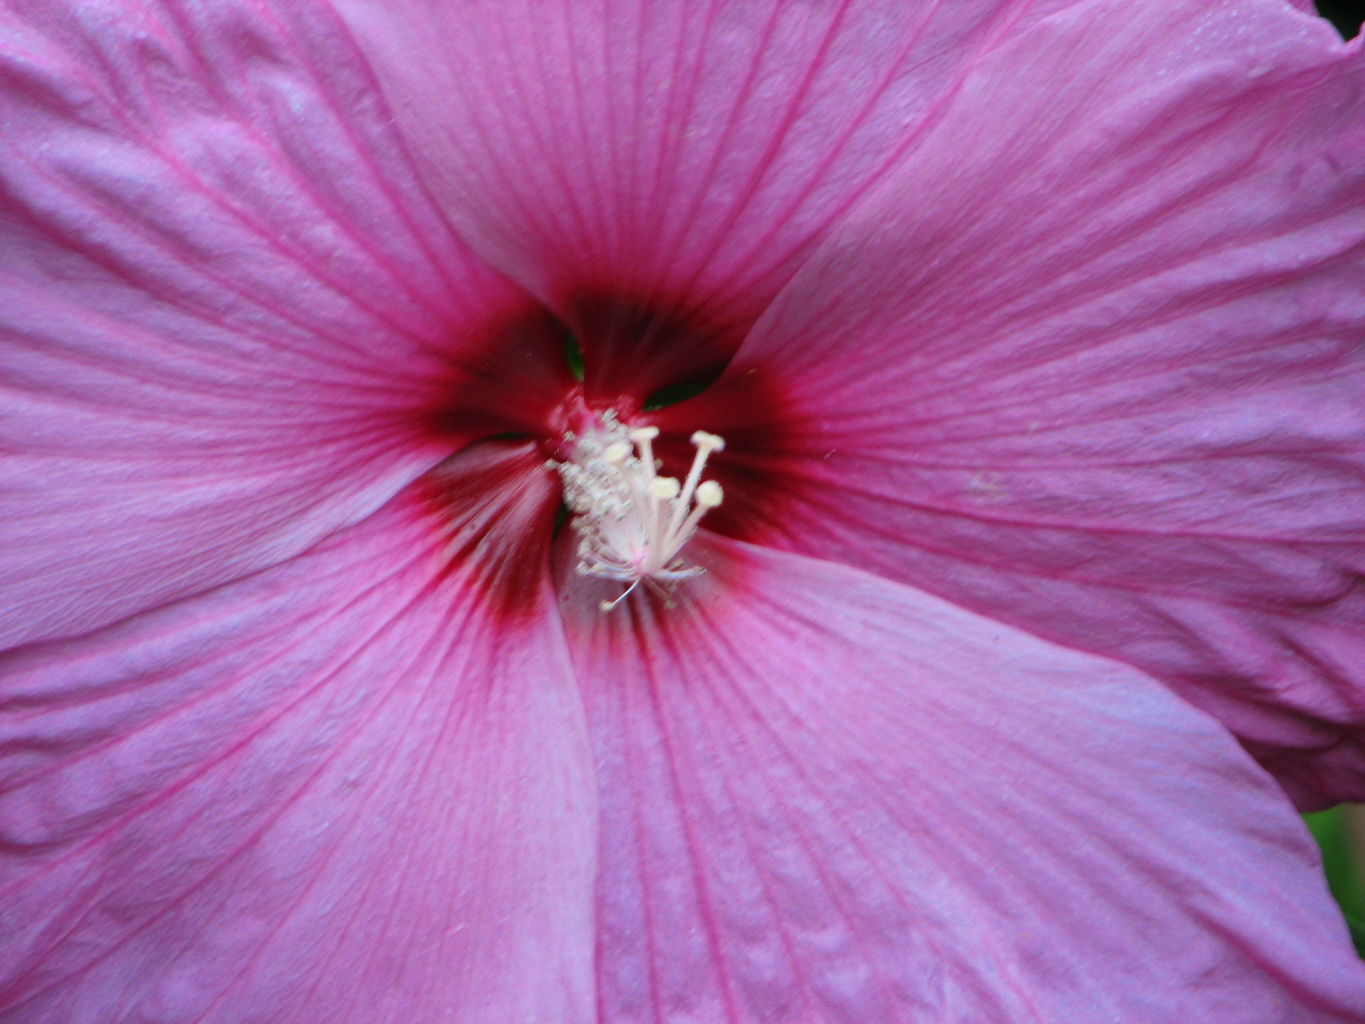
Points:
(513, 402)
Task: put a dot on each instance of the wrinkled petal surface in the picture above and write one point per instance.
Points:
(668, 152)
(343, 790)
(828, 797)
(223, 298)
(1091, 364)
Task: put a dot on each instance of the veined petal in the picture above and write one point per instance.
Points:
(1091, 364)
(347, 789)
(828, 797)
(224, 302)
(668, 152)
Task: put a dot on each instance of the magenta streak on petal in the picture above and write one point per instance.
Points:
(229, 307)
(830, 797)
(759, 244)
(751, 127)
(331, 763)
(198, 803)
(498, 502)
(1127, 417)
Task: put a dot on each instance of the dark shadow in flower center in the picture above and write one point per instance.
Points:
(504, 380)
(669, 394)
(638, 353)
(531, 376)
(665, 363)
(573, 356)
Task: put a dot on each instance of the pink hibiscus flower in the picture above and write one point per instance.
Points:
(1033, 333)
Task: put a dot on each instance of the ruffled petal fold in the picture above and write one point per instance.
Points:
(828, 797)
(1090, 363)
(347, 789)
(679, 155)
(225, 302)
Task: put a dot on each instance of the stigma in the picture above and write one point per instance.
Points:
(632, 523)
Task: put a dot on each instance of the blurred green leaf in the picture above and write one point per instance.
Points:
(1343, 863)
(573, 355)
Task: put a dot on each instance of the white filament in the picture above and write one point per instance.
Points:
(632, 523)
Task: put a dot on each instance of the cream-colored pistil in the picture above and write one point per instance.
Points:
(632, 523)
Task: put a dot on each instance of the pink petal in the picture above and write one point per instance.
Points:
(1091, 364)
(674, 153)
(826, 797)
(343, 790)
(223, 302)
